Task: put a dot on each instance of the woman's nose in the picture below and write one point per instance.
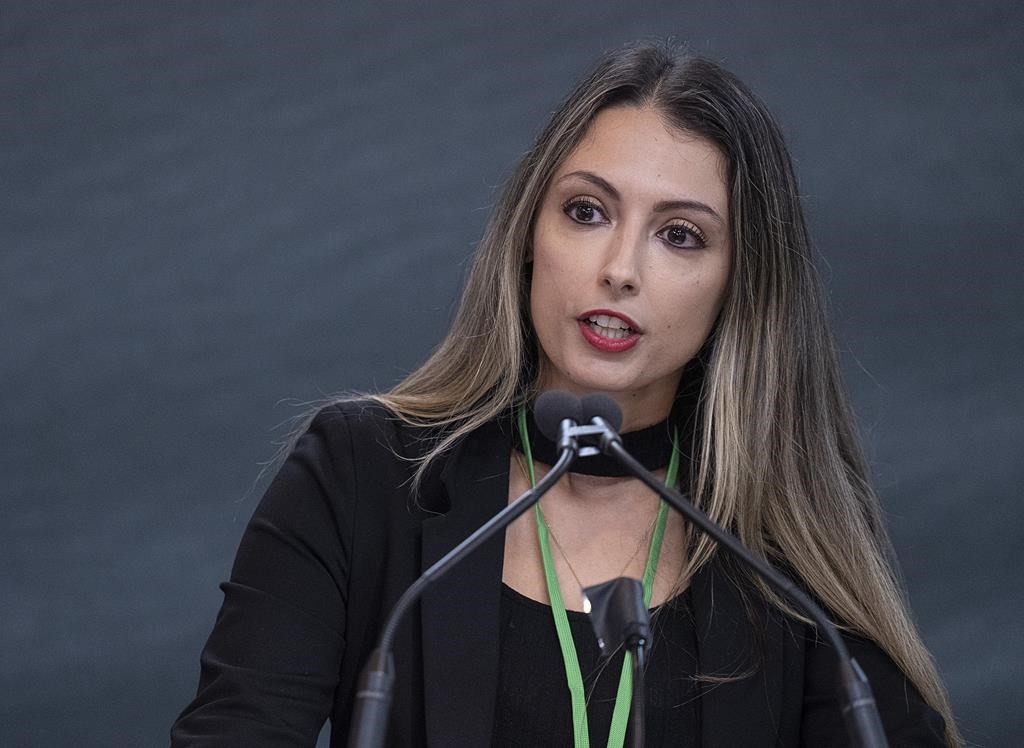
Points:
(621, 271)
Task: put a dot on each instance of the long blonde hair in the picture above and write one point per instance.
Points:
(778, 455)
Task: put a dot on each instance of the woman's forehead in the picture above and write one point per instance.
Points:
(635, 151)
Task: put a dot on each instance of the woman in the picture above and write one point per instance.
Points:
(650, 246)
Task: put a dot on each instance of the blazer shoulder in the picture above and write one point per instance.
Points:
(378, 449)
(365, 426)
(353, 415)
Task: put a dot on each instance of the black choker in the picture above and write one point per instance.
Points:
(652, 446)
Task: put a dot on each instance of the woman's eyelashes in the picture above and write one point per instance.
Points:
(679, 234)
(684, 235)
(584, 210)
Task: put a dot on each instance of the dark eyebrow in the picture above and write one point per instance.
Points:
(599, 182)
(663, 206)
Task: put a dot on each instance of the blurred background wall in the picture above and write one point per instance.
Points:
(213, 211)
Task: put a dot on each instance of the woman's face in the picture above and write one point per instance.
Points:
(631, 261)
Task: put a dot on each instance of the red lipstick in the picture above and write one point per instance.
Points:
(598, 335)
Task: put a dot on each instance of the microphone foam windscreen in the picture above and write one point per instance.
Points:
(551, 408)
(603, 406)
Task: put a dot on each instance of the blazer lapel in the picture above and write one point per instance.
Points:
(460, 612)
(745, 712)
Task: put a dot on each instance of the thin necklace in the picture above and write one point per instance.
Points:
(640, 544)
(574, 677)
(565, 556)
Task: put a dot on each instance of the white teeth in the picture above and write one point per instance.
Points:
(613, 333)
(608, 322)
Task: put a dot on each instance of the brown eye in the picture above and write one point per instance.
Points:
(683, 236)
(583, 211)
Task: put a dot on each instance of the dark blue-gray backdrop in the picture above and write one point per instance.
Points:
(209, 207)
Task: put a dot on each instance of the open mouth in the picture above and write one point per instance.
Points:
(609, 327)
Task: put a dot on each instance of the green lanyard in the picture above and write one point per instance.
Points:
(574, 678)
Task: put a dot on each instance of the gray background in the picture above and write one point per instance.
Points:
(209, 209)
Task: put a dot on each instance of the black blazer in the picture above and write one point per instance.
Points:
(335, 541)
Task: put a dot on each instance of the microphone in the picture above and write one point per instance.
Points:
(373, 697)
(564, 419)
(859, 710)
(555, 412)
(603, 407)
(553, 408)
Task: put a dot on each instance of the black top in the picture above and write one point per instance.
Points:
(337, 539)
(534, 706)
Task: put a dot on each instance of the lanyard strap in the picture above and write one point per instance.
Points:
(573, 675)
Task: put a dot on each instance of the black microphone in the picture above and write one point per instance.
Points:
(859, 710)
(601, 406)
(373, 697)
(555, 412)
(555, 405)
